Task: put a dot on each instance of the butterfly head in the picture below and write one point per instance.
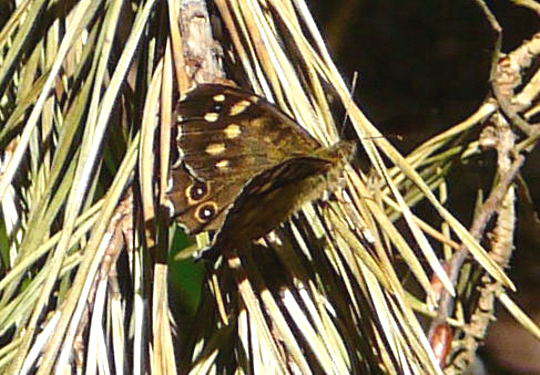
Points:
(339, 153)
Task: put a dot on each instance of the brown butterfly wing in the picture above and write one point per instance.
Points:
(224, 136)
(273, 195)
(224, 131)
(194, 202)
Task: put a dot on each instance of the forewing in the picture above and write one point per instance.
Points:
(223, 131)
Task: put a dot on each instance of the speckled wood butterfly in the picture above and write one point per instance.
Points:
(243, 166)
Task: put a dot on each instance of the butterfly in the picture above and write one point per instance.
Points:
(243, 166)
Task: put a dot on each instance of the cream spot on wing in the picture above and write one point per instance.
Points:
(261, 122)
(211, 117)
(215, 148)
(179, 118)
(219, 98)
(223, 164)
(232, 131)
(239, 107)
(254, 99)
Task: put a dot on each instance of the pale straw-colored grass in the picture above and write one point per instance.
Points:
(79, 113)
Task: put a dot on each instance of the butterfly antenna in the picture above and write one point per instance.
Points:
(354, 82)
(346, 117)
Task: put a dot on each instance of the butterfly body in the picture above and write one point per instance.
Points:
(243, 166)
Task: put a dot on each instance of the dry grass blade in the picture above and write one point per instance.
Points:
(264, 45)
(59, 233)
(87, 98)
(290, 67)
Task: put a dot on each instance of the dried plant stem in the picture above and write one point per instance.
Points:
(505, 77)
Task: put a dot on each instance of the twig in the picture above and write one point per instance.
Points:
(501, 240)
(522, 58)
(489, 208)
(120, 233)
(505, 75)
(201, 52)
